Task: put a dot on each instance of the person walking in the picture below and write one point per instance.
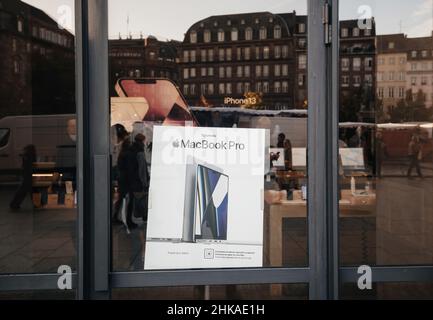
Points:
(26, 186)
(138, 179)
(415, 156)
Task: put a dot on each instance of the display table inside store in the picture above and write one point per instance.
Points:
(351, 206)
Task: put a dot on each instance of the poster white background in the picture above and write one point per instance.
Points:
(245, 167)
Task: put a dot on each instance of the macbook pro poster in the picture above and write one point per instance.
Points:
(206, 198)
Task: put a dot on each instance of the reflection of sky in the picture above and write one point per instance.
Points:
(172, 18)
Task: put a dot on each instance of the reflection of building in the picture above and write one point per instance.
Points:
(420, 67)
(147, 57)
(404, 64)
(37, 65)
(391, 69)
(358, 69)
(231, 55)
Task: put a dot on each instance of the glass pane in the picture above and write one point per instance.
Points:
(37, 136)
(386, 94)
(239, 292)
(223, 71)
(389, 291)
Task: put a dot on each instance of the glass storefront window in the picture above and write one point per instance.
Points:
(386, 214)
(38, 134)
(227, 103)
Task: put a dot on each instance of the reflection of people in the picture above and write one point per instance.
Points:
(288, 155)
(138, 178)
(28, 158)
(281, 139)
(415, 155)
(122, 178)
(381, 153)
(118, 136)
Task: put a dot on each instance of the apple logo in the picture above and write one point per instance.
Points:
(176, 144)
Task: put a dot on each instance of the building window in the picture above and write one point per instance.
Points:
(247, 71)
(367, 32)
(221, 53)
(235, 34)
(229, 72)
(401, 92)
(413, 81)
(258, 71)
(193, 37)
(413, 66)
(345, 64)
(186, 56)
(239, 53)
(221, 88)
(424, 81)
(301, 80)
(401, 76)
(265, 87)
(247, 53)
(193, 56)
(424, 66)
(355, 32)
(285, 52)
(302, 43)
(211, 88)
(285, 69)
(221, 72)
(302, 62)
(186, 89)
(210, 53)
(203, 54)
(186, 73)
(210, 72)
(285, 86)
(344, 32)
(380, 92)
(391, 92)
(258, 53)
(207, 36)
(247, 87)
(356, 64)
(414, 54)
(277, 70)
(240, 88)
(16, 67)
(391, 76)
(301, 28)
(203, 72)
(14, 45)
(392, 61)
(239, 71)
(20, 25)
(424, 53)
(402, 60)
(266, 71)
(193, 89)
(192, 73)
(357, 81)
(221, 35)
(229, 88)
(248, 34)
(263, 34)
(277, 87)
(229, 54)
(266, 51)
(277, 32)
(369, 79)
(345, 81)
(203, 89)
(277, 52)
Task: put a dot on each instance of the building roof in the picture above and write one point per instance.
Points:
(384, 41)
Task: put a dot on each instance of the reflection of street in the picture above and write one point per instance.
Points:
(35, 241)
